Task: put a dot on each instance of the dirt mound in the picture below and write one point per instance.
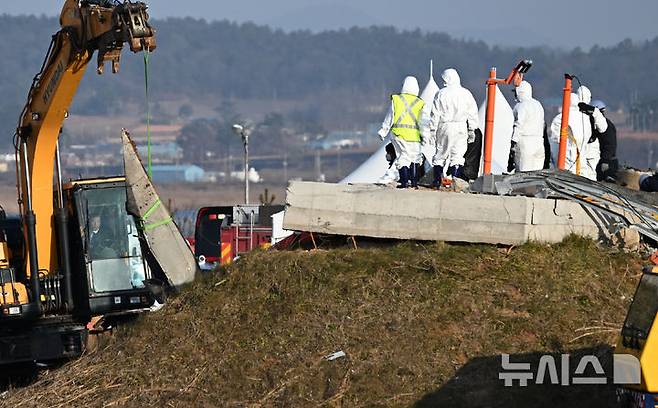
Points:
(420, 324)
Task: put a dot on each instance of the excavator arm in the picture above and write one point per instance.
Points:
(101, 26)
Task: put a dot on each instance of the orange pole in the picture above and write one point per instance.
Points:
(489, 121)
(564, 127)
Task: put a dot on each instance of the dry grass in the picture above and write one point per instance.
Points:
(421, 324)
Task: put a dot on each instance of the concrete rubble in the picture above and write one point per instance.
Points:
(384, 212)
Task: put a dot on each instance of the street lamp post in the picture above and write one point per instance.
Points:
(243, 132)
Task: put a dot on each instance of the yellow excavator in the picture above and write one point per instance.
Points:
(639, 339)
(77, 252)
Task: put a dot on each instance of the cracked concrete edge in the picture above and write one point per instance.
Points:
(383, 212)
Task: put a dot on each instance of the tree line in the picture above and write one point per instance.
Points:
(223, 59)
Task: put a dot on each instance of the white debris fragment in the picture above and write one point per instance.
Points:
(335, 356)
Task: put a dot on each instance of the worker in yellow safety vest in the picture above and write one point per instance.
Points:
(403, 121)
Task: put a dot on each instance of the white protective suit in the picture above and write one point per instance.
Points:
(453, 120)
(528, 131)
(428, 94)
(592, 150)
(406, 152)
(581, 131)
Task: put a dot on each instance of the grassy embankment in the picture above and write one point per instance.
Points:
(421, 324)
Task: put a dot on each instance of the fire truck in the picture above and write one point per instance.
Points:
(224, 233)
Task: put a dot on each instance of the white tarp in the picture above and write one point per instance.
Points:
(428, 94)
(502, 134)
(278, 233)
(372, 170)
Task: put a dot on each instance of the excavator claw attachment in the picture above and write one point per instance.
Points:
(111, 26)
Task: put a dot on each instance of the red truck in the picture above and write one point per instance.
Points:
(224, 233)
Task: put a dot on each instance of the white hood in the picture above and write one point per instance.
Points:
(575, 99)
(524, 91)
(410, 86)
(584, 94)
(451, 77)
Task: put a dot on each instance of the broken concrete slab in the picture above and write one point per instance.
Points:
(164, 240)
(384, 212)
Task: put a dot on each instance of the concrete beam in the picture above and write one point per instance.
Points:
(385, 212)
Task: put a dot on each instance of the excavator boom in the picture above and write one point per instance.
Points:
(86, 27)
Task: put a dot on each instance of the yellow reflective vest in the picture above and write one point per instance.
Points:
(407, 109)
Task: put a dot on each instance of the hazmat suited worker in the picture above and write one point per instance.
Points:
(598, 124)
(453, 121)
(528, 134)
(403, 121)
(609, 164)
(579, 133)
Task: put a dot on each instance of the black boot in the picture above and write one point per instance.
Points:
(404, 177)
(438, 174)
(456, 172)
(413, 169)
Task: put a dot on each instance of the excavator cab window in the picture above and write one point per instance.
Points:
(644, 307)
(113, 253)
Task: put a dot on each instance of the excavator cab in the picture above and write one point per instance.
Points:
(110, 264)
(110, 277)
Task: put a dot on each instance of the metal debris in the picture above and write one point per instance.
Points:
(624, 210)
(334, 356)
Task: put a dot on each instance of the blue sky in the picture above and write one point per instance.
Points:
(513, 22)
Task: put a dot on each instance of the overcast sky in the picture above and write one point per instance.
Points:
(513, 22)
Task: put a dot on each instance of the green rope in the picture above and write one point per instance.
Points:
(148, 112)
(149, 227)
(150, 211)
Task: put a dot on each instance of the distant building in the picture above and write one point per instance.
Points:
(92, 155)
(339, 140)
(169, 152)
(159, 133)
(213, 176)
(186, 173)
